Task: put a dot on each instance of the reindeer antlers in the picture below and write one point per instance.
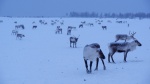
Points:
(132, 33)
(75, 36)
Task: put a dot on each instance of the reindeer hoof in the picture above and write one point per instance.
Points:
(114, 63)
(125, 61)
(89, 72)
(96, 69)
(104, 68)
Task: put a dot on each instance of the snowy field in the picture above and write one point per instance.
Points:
(43, 57)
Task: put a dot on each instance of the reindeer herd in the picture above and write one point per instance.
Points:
(92, 52)
(16, 33)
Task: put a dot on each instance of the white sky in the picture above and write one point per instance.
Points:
(61, 7)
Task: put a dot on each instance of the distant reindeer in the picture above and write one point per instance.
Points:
(58, 30)
(99, 23)
(19, 36)
(128, 24)
(53, 23)
(19, 26)
(43, 22)
(71, 27)
(33, 22)
(14, 32)
(90, 24)
(109, 21)
(34, 27)
(104, 27)
(15, 22)
(69, 31)
(73, 40)
(92, 52)
(62, 23)
(81, 26)
(83, 22)
(122, 47)
(125, 36)
(119, 21)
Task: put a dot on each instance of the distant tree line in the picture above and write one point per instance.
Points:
(109, 15)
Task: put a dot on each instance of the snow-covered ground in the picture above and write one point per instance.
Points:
(43, 57)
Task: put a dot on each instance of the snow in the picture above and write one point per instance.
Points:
(43, 57)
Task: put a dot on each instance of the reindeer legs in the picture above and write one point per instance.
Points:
(125, 55)
(112, 59)
(86, 65)
(111, 55)
(91, 66)
(103, 64)
(97, 61)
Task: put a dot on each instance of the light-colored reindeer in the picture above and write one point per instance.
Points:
(92, 52)
(58, 30)
(69, 30)
(122, 47)
(14, 32)
(125, 36)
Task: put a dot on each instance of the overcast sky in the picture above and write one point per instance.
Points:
(61, 7)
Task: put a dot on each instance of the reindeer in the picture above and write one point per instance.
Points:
(109, 21)
(81, 26)
(62, 23)
(14, 32)
(90, 24)
(69, 30)
(53, 23)
(15, 22)
(34, 27)
(20, 36)
(58, 30)
(104, 27)
(119, 21)
(33, 22)
(83, 22)
(42, 22)
(125, 36)
(19, 26)
(93, 52)
(73, 40)
(71, 27)
(128, 24)
(99, 23)
(122, 47)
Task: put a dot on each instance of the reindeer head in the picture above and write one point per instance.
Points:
(137, 42)
(132, 34)
(23, 35)
(76, 39)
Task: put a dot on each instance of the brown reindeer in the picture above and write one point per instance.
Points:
(122, 47)
(73, 40)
